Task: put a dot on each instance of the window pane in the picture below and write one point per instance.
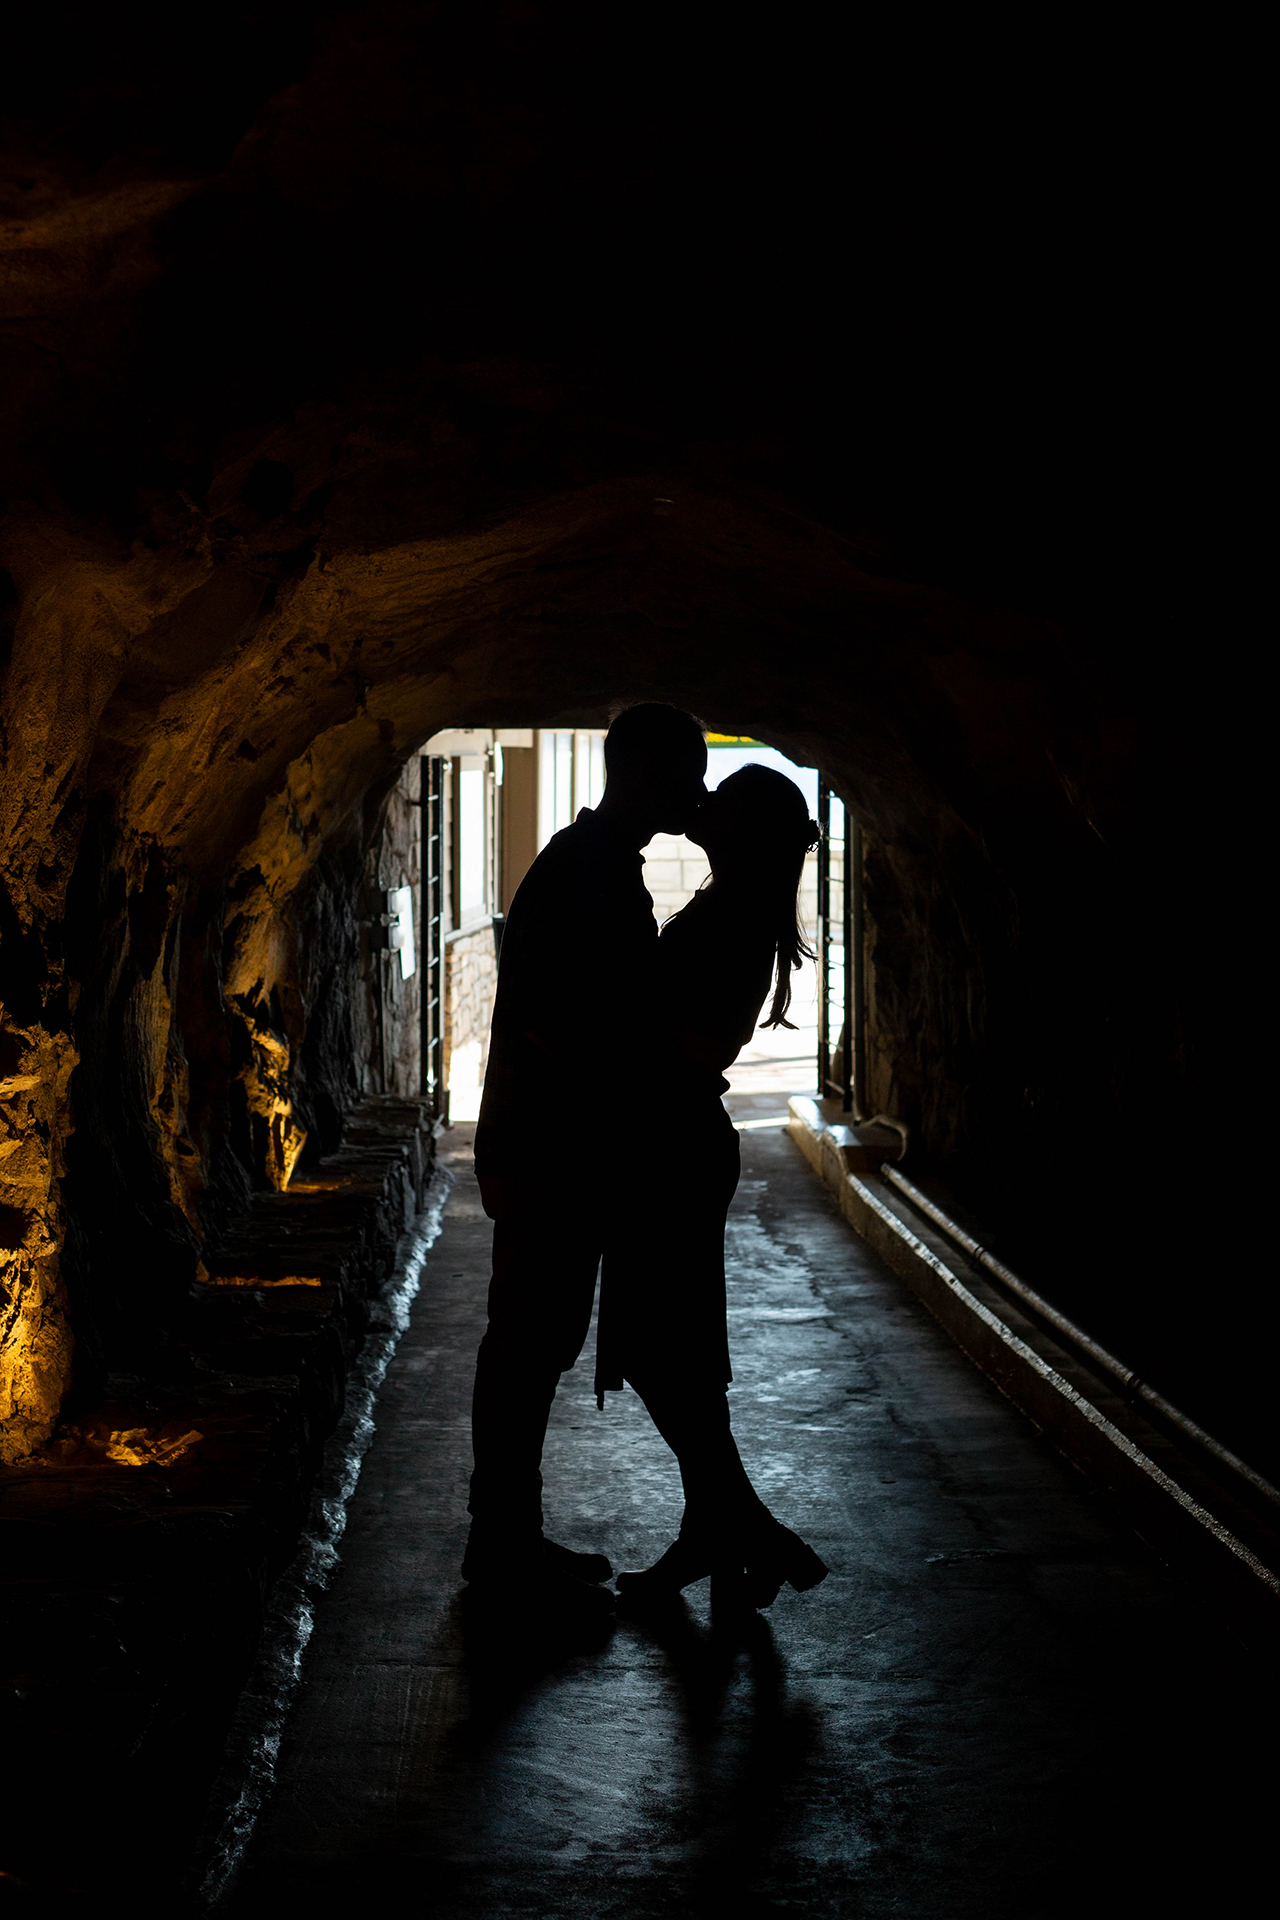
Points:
(564, 780)
(546, 787)
(471, 836)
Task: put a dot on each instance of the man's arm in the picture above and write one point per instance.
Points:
(496, 1194)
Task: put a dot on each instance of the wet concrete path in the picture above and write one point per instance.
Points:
(998, 1704)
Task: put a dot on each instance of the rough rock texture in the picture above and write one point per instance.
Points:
(36, 1343)
(414, 366)
(392, 1053)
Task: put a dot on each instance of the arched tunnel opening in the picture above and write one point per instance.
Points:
(465, 821)
(218, 910)
(395, 395)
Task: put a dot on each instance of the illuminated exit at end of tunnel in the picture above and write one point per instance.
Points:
(464, 823)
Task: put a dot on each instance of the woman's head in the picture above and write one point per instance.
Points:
(753, 821)
(756, 830)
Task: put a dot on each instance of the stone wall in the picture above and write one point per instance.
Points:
(393, 1063)
(674, 869)
(471, 977)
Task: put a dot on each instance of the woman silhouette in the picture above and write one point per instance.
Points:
(662, 1317)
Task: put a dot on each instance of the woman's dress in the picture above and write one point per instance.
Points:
(662, 1300)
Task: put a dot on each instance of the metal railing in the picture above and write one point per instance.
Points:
(842, 1064)
(433, 960)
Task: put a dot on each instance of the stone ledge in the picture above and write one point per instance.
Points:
(1202, 1528)
(133, 1588)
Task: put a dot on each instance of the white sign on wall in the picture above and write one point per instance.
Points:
(398, 920)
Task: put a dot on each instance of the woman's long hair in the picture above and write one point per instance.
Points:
(773, 813)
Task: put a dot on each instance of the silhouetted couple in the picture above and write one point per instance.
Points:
(603, 1138)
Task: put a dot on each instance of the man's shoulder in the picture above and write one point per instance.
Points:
(578, 857)
(565, 856)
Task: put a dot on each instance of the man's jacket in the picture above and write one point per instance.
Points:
(574, 1002)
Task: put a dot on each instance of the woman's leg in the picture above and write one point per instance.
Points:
(680, 1351)
(726, 1529)
(694, 1422)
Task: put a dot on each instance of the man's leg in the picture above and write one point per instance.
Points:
(540, 1297)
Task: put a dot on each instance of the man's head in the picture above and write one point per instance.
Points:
(656, 759)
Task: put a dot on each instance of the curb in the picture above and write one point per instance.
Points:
(1165, 1497)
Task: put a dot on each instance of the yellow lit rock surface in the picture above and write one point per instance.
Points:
(90, 1443)
(135, 1447)
(35, 1354)
(254, 1280)
(35, 1333)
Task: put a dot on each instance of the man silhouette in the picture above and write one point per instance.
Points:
(574, 998)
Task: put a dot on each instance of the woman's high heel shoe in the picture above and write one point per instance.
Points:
(686, 1560)
(775, 1555)
(770, 1553)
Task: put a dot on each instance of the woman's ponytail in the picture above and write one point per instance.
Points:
(791, 946)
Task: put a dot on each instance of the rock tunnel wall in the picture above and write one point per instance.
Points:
(194, 881)
(403, 381)
(216, 1037)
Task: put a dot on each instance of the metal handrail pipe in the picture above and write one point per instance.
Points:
(1135, 1387)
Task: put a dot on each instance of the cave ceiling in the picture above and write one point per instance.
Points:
(367, 370)
(421, 365)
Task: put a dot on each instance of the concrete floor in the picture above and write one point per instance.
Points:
(998, 1704)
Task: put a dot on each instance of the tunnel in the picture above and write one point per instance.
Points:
(380, 373)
